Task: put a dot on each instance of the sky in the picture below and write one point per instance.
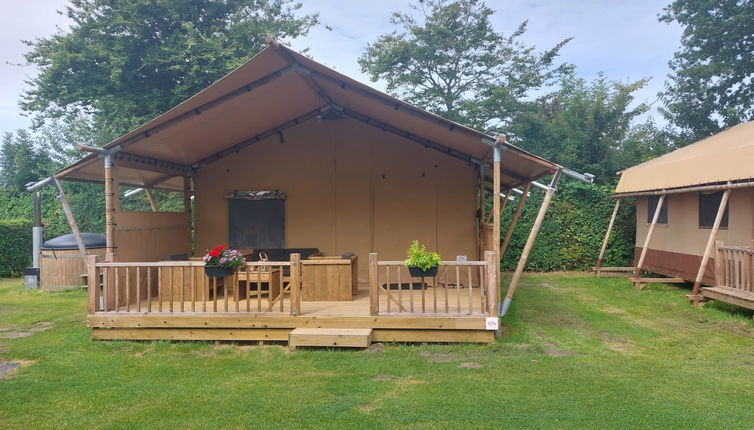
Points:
(622, 39)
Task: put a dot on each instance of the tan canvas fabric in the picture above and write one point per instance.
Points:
(201, 126)
(726, 156)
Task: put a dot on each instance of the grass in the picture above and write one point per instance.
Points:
(578, 352)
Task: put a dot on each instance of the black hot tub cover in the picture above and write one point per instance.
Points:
(66, 241)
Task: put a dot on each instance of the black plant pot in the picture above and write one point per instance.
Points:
(217, 271)
(419, 273)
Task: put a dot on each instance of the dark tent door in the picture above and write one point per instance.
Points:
(256, 223)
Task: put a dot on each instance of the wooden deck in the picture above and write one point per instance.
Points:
(231, 325)
(449, 311)
(734, 276)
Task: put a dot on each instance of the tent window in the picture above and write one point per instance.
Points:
(708, 206)
(652, 207)
(256, 223)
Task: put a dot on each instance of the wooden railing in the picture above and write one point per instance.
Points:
(459, 288)
(182, 286)
(733, 267)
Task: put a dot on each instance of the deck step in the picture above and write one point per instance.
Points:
(658, 280)
(730, 295)
(340, 337)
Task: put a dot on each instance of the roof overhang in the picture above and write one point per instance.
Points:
(275, 90)
(717, 162)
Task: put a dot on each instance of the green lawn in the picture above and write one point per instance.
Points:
(578, 352)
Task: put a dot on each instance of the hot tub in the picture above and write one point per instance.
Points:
(61, 266)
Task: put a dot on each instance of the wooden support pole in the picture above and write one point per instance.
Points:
(493, 282)
(187, 192)
(111, 206)
(640, 264)
(150, 199)
(295, 285)
(530, 242)
(71, 220)
(482, 195)
(514, 220)
(92, 280)
(374, 293)
(718, 263)
(710, 244)
(496, 200)
(482, 211)
(607, 237)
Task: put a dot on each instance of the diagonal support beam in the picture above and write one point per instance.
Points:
(648, 239)
(530, 243)
(710, 243)
(71, 219)
(514, 220)
(607, 237)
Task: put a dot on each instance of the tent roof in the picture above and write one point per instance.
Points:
(724, 157)
(276, 89)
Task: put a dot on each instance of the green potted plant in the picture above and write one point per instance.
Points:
(420, 262)
(222, 261)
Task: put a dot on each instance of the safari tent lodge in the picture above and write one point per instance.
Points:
(323, 182)
(695, 216)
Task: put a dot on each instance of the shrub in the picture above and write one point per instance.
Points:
(418, 256)
(15, 246)
(572, 232)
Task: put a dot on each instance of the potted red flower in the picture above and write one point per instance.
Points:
(222, 261)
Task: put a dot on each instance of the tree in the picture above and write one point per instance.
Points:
(21, 162)
(126, 61)
(589, 126)
(711, 86)
(454, 63)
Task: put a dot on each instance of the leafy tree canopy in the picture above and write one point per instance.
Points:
(452, 61)
(711, 86)
(588, 126)
(21, 161)
(125, 61)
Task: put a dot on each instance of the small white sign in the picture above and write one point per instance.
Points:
(492, 323)
(461, 258)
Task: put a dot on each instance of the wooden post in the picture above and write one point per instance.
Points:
(482, 212)
(71, 220)
(295, 284)
(92, 281)
(514, 220)
(374, 296)
(496, 200)
(607, 237)
(718, 263)
(187, 190)
(640, 264)
(710, 245)
(530, 242)
(493, 283)
(150, 199)
(111, 205)
(482, 195)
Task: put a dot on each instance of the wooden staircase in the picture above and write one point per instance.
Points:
(337, 337)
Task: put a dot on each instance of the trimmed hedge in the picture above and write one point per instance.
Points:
(572, 232)
(15, 246)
